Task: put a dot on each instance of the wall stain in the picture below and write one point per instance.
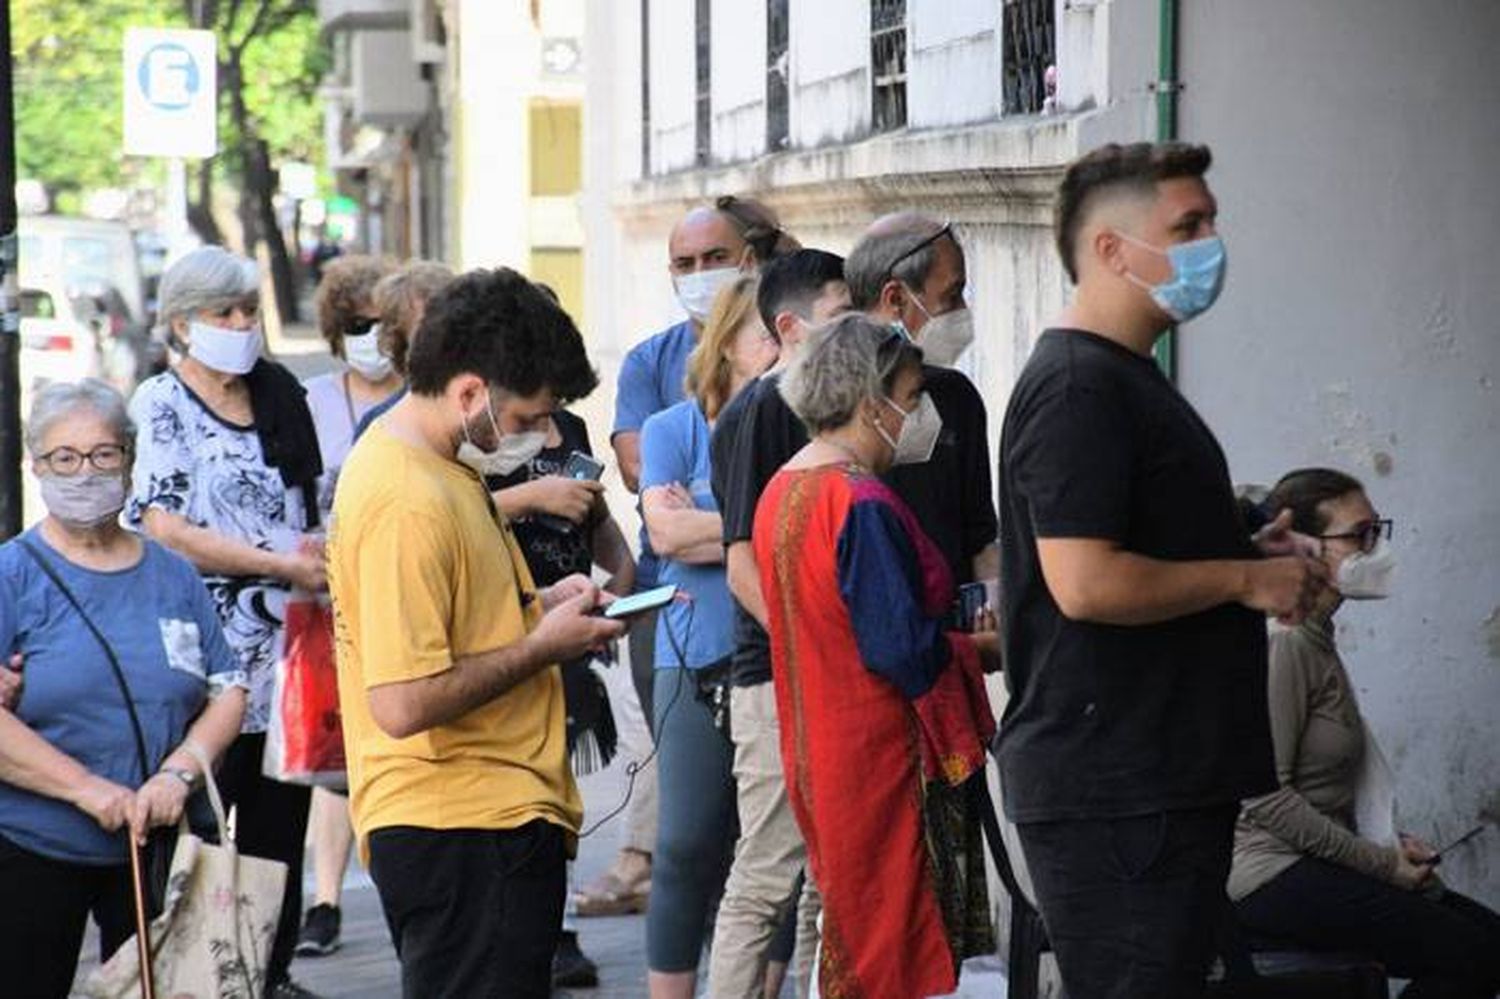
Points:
(1492, 633)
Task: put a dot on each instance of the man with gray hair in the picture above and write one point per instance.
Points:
(909, 271)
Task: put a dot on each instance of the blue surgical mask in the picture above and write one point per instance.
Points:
(1197, 276)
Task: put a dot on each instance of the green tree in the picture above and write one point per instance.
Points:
(69, 98)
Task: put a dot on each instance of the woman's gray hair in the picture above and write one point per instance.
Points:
(209, 277)
(59, 401)
(842, 364)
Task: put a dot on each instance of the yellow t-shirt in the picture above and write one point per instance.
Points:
(423, 571)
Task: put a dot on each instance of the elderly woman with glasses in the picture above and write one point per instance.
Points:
(1304, 871)
(226, 472)
(125, 665)
(883, 712)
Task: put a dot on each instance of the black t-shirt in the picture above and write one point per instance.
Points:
(1110, 721)
(552, 554)
(949, 494)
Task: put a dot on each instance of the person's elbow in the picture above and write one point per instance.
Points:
(395, 714)
(1080, 575)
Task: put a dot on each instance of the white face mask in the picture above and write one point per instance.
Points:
(1367, 576)
(513, 451)
(364, 356)
(945, 336)
(696, 292)
(919, 432)
(231, 352)
(84, 500)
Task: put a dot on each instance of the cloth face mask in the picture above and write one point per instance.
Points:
(364, 356)
(84, 500)
(232, 352)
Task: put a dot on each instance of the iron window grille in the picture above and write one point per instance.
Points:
(778, 59)
(888, 64)
(645, 88)
(704, 109)
(1029, 29)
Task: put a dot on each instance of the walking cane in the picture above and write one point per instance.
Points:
(142, 928)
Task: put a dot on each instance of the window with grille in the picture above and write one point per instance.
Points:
(778, 58)
(888, 64)
(645, 88)
(1030, 34)
(704, 105)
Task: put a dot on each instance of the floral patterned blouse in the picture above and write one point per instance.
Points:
(192, 463)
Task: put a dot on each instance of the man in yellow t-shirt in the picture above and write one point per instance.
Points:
(453, 715)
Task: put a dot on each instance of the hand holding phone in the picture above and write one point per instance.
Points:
(569, 497)
(624, 608)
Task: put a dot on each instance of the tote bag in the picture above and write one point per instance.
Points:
(213, 937)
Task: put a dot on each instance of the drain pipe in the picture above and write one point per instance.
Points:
(1166, 88)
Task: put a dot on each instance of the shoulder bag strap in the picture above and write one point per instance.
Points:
(109, 653)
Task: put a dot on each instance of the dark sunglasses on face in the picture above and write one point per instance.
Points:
(1367, 533)
(359, 326)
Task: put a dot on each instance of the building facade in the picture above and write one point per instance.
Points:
(1354, 143)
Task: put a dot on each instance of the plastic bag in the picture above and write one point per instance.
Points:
(305, 739)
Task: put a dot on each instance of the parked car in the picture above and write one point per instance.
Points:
(60, 251)
(62, 339)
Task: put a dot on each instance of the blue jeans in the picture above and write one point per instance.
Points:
(696, 822)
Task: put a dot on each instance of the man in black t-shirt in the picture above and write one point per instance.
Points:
(1135, 599)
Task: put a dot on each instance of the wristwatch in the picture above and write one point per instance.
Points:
(186, 776)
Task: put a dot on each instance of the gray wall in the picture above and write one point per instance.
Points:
(1357, 146)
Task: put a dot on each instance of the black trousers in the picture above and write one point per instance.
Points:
(474, 913)
(45, 905)
(1448, 945)
(271, 822)
(1132, 906)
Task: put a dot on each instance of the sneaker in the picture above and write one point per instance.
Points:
(320, 931)
(289, 989)
(571, 968)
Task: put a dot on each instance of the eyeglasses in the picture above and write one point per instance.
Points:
(1368, 534)
(66, 461)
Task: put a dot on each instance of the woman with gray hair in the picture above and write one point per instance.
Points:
(870, 678)
(226, 472)
(125, 666)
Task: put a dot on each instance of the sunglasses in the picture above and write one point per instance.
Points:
(359, 326)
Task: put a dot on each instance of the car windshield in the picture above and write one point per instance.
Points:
(85, 256)
(37, 305)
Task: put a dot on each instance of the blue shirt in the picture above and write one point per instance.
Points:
(651, 379)
(674, 448)
(159, 619)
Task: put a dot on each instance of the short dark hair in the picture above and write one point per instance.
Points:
(1138, 166)
(793, 282)
(1304, 492)
(501, 327)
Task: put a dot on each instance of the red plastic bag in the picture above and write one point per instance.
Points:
(305, 739)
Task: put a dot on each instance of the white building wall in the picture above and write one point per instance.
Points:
(1355, 145)
(830, 71)
(674, 84)
(738, 72)
(953, 67)
(497, 57)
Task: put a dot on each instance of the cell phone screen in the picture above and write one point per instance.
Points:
(582, 466)
(639, 603)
